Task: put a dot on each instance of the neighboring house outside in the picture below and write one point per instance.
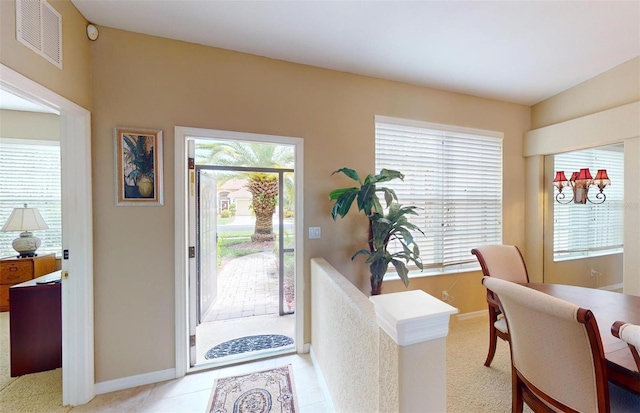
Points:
(234, 192)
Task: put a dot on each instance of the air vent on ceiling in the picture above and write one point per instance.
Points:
(39, 27)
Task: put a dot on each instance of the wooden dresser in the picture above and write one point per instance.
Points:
(16, 270)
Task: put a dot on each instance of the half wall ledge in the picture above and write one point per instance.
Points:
(419, 324)
(411, 317)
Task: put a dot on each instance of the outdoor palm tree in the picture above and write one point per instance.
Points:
(263, 186)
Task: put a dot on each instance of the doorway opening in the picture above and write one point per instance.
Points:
(78, 383)
(241, 199)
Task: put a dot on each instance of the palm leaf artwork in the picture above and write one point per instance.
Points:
(139, 152)
(384, 226)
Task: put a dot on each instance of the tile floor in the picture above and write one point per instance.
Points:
(211, 334)
(191, 393)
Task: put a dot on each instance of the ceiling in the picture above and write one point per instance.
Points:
(515, 51)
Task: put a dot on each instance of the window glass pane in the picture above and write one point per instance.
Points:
(30, 173)
(580, 230)
(454, 178)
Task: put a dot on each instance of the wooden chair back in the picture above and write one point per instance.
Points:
(557, 357)
(504, 262)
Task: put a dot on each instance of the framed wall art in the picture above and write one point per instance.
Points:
(138, 167)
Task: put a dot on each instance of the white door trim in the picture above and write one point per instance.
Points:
(78, 382)
(181, 135)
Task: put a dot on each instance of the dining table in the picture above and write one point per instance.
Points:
(607, 307)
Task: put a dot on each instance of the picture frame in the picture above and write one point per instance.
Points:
(138, 166)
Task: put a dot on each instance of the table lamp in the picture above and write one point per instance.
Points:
(25, 220)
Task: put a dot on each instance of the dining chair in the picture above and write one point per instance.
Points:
(630, 334)
(504, 262)
(557, 358)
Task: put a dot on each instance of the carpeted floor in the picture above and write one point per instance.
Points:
(472, 387)
(39, 392)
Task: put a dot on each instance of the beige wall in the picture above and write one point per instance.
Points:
(151, 82)
(596, 111)
(610, 89)
(29, 125)
(74, 80)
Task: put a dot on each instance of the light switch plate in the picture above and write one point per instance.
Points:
(315, 232)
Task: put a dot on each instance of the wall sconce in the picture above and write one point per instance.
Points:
(26, 220)
(580, 183)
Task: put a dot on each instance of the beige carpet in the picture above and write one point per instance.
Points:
(39, 392)
(472, 387)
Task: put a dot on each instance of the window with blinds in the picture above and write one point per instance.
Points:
(582, 230)
(454, 175)
(30, 173)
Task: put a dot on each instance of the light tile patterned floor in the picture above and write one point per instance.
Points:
(191, 393)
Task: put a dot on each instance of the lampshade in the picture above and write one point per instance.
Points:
(25, 220)
(584, 174)
(602, 179)
(574, 176)
(560, 177)
(560, 180)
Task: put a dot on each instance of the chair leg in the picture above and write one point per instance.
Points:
(492, 347)
(493, 338)
(517, 401)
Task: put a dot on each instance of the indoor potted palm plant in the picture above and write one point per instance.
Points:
(384, 226)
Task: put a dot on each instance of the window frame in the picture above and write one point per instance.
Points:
(447, 131)
(613, 204)
(54, 222)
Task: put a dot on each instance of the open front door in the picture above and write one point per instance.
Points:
(193, 278)
(207, 257)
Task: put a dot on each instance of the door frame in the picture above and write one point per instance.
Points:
(78, 379)
(181, 135)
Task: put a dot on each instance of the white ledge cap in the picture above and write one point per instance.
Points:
(411, 317)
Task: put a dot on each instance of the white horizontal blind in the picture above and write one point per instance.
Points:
(581, 230)
(30, 173)
(455, 179)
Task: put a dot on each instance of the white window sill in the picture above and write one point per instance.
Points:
(589, 254)
(431, 272)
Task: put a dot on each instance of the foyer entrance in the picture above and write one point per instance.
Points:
(242, 219)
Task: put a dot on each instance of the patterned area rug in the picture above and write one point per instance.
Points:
(246, 344)
(260, 392)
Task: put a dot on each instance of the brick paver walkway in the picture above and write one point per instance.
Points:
(247, 286)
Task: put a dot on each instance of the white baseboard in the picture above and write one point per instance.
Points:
(134, 381)
(611, 287)
(323, 384)
(306, 347)
(473, 314)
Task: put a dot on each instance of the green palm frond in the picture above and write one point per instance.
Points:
(383, 226)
